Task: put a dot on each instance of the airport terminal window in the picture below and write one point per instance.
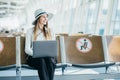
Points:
(101, 29)
(102, 17)
(72, 16)
(91, 18)
(67, 17)
(102, 22)
(115, 22)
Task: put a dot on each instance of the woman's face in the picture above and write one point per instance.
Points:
(43, 19)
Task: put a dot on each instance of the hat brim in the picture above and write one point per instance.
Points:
(50, 15)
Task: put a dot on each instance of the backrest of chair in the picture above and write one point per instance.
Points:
(7, 51)
(58, 40)
(113, 48)
(23, 54)
(59, 56)
(84, 49)
(78, 34)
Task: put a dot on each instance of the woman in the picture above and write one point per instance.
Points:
(40, 31)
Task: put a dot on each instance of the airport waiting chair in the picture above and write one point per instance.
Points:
(61, 58)
(60, 63)
(84, 52)
(23, 56)
(7, 53)
(113, 46)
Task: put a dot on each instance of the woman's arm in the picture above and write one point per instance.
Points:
(28, 43)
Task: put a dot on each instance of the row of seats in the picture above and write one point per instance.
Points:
(82, 51)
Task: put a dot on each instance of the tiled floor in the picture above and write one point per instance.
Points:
(69, 74)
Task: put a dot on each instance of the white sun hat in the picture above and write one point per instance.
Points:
(40, 12)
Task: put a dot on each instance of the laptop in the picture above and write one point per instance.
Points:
(45, 49)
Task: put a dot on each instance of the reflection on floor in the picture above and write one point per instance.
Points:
(69, 74)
